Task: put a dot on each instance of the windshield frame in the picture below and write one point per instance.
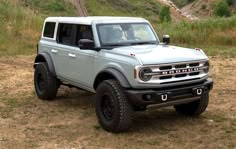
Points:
(126, 43)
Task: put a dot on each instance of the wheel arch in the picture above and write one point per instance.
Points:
(45, 57)
(111, 73)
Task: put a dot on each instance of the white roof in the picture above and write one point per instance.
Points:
(98, 19)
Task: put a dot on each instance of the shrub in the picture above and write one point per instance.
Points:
(165, 14)
(204, 6)
(230, 2)
(222, 9)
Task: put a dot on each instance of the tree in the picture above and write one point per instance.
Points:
(165, 14)
(222, 9)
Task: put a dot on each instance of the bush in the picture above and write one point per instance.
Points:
(165, 14)
(222, 9)
(204, 6)
(230, 2)
(56, 6)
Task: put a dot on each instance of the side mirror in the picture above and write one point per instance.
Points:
(86, 44)
(166, 39)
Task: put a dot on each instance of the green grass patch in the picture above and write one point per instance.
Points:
(22, 23)
(51, 7)
(20, 30)
(11, 102)
(217, 35)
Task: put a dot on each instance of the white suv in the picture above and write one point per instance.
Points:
(121, 60)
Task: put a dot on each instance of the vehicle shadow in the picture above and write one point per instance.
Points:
(73, 97)
(153, 120)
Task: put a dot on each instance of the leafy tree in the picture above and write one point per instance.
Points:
(165, 14)
(222, 9)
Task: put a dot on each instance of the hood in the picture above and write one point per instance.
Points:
(159, 54)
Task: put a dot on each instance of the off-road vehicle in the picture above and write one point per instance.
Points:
(122, 60)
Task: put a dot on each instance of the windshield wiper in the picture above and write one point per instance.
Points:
(144, 42)
(116, 45)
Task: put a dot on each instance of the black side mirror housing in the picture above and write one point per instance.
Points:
(86, 44)
(166, 39)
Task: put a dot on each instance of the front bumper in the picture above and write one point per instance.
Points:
(169, 96)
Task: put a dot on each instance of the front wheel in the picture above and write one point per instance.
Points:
(194, 108)
(113, 110)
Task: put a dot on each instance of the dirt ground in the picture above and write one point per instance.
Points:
(70, 120)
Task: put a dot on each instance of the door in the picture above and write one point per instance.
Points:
(65, 43)
(81, 61)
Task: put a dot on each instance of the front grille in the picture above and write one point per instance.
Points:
(178, 71)
(181, 66)
(165, 77)
(194, 65)
(165, 67)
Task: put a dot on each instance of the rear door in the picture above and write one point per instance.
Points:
(65, 43)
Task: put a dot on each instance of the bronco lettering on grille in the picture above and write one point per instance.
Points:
(180, 71)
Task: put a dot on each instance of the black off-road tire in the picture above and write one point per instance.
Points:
(46, 85)
(194, 108)
(113, 110)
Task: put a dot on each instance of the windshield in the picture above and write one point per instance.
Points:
(126, 34)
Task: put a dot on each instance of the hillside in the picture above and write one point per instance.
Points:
(23, 19)
(202, 8)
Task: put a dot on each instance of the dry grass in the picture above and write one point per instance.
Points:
(70, 121)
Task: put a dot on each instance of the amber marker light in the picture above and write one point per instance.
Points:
(135, 73)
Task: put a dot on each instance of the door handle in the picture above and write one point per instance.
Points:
(54, 51)
(71, 55)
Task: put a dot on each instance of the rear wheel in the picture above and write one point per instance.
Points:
(194, 108)
(113, 110)
(46, 85)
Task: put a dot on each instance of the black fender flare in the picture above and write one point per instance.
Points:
(116, 74)
(45, 57)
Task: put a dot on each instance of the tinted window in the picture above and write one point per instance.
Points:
(49, 29)
(84, 32)
(66, 34)
(126, 34)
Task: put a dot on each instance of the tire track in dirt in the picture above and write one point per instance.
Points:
(80, 6)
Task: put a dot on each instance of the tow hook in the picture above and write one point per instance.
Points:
(198, 91)
(164, 97)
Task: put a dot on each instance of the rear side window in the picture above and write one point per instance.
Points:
(49, 29)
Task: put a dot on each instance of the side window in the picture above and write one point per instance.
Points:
(66, 34)
(49, 29)
(84, 32)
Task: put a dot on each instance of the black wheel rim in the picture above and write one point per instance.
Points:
(40, 82)
(107, 107)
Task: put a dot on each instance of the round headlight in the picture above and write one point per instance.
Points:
(143, 74)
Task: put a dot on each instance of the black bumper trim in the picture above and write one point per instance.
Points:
(170, 96)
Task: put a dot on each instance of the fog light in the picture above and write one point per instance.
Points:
(147, 97)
